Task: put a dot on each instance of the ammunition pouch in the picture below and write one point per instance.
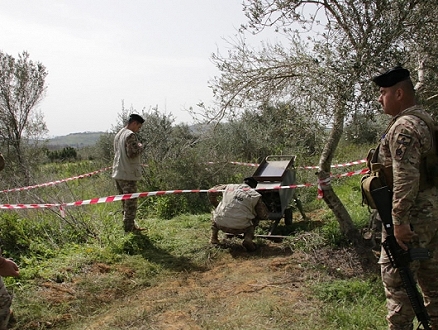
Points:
(368, 183)
(377, 177)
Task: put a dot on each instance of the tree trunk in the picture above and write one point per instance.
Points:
(330, 198)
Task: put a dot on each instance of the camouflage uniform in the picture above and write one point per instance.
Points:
(259, 212)
(126, 179)
(5, 304)
(403, 146)
(129, 205)
(5, 297)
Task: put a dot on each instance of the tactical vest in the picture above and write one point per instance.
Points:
(429, 163)
(237, 208)
(380, 175)
(125, 168)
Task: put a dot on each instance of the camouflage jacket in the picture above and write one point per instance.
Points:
(405, 143)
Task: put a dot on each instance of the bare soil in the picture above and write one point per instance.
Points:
(258, 290)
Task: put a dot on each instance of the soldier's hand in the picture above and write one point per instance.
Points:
(404, 235)
(8, 268)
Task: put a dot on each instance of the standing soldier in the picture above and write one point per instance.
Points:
(402, 154)
(7, 268)
(127, 168)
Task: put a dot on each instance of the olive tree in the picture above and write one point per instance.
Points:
(333, 50)
(22, 86)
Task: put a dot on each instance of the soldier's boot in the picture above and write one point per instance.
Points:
(248, 237)
(137, 228)
(4, 320)
(12, 320)
(214, 235)
(132, 227)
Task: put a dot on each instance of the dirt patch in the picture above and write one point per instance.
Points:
(272, 281)
(267, 289)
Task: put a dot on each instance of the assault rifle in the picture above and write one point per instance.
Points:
(400, 258)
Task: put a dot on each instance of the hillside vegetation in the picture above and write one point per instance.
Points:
(75, 140)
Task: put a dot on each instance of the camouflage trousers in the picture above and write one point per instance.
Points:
(248, 234)
(5, 304)
(129, 205)
(400, 313)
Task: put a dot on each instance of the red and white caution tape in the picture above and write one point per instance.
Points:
(245, 164)
(363, 171)
(357, 162)
(116, 198)
(98, 200)
(52, 183)
(325, 184)
(28, 206)
(321, 186)
(236, 163)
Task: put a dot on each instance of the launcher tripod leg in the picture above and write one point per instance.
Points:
(273, 226)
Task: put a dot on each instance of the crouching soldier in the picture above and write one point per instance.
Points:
(238, 212)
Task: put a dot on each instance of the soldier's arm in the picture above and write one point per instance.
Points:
(214, 195)
(406, 148)
(261, 210)
(133, 147)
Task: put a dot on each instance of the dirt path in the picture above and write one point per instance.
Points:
(240, 291)
(267, 289)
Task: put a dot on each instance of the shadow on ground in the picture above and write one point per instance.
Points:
(140, 244)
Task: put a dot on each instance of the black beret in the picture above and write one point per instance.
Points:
(251, 181)
(391, 77)
(137, 118)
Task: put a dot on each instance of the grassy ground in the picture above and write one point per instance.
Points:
(84, 272)
(172, 278)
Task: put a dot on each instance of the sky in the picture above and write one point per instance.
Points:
(100, 53)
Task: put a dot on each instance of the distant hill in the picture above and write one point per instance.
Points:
(88, 139)
(75, 140)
